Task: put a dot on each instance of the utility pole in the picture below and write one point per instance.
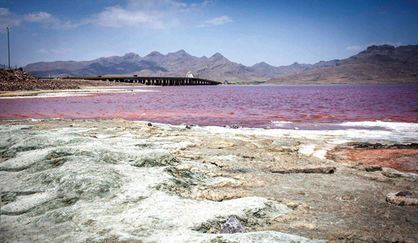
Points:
(8, 44)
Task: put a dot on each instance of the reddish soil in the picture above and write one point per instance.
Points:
(403, 159)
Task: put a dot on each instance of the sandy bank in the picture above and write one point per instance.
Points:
(117, 180)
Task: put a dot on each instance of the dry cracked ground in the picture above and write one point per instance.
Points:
(124, 181)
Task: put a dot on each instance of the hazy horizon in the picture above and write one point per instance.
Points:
(276, 32)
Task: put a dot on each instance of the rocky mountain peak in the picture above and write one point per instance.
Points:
(181, 52)
(374, 54)
(374, 50)
(155, 54)
(380, 48)
(262, 64)
(217, 57)
(131, 55)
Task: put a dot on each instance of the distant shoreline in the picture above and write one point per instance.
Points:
(107, 84)
(88, 89)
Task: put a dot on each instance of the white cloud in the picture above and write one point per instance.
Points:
(117, 16)
(206, 3)
(156, 4)
(38, 17)
(42, 51)
(217, 21)
(354, 48)
(154, 14)
(55, 51)
(49, 21)
(8, 18)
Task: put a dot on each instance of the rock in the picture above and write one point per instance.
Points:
(403, 194)
(231, 226)
(305, 225)
(367, 167)
(391, 173)
(363, 145)
(321, 170)
(403, 198)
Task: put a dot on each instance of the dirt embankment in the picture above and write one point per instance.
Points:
(12, 80)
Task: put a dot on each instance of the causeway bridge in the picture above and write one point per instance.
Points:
(162, 81)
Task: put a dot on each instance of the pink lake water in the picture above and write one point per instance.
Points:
(308, 106)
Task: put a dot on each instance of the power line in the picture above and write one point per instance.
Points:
(8, 44)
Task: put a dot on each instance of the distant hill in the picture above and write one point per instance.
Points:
(377, 64)
(216, 67)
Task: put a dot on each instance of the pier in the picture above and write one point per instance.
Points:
(161, 81)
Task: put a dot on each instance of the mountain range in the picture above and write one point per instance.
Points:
(383, 63)
(376, 64)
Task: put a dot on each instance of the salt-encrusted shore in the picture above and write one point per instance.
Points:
(125, 181)
(84, 91)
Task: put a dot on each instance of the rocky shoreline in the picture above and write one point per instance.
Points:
(126, 181)
(19, 80)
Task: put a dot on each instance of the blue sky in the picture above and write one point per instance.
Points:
(278, 32)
